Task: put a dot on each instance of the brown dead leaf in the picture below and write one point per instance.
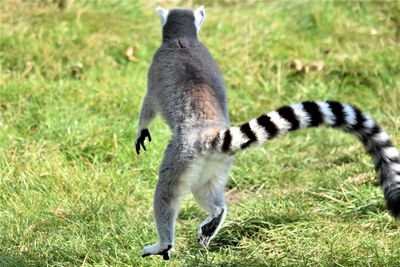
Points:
(22, 248)
(306, 68)
(296, 65)
(61, 213)
(130, 53)
(362, 178)
(317, 66)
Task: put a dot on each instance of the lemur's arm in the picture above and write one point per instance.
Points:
(147, 115)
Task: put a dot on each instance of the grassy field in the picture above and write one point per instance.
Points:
(73, 192)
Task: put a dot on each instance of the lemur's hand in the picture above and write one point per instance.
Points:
(157, 249)
(140, 140)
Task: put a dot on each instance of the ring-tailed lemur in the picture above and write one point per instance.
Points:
(187, 88)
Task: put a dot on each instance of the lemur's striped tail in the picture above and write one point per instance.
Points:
(311, 114)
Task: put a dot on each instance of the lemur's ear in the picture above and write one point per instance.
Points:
(163, 14)
(199, 17)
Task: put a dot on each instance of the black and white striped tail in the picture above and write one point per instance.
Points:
(311, 114)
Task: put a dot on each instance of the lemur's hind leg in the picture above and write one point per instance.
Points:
(210, 196)
(171, 184)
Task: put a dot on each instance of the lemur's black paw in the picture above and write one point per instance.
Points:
(157, 249)
(210, 227)
(140, 140)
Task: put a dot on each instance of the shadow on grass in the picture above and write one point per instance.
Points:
(231, 235)
(20, 261)
(234, 263)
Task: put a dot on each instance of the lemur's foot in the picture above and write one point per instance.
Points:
(210, 227)
(157, 249)
(140, 140)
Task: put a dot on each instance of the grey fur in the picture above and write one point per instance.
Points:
(184, 79)
(186, 87)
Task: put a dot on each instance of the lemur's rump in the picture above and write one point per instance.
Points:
(186, 87)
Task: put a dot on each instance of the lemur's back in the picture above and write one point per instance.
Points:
(188, 85)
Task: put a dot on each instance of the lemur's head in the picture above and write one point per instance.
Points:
(181, 23)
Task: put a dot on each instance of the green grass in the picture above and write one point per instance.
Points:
(73, 192)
